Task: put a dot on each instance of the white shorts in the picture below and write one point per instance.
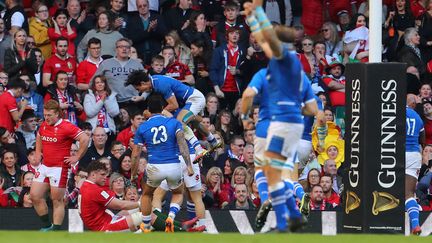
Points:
(172, 173)
(283, 138)
(192, 183)
(196, 103)
(413, 163)
(55, 176)
(259, 149)
(304, 149)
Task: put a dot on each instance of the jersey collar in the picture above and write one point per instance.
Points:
(58, 122)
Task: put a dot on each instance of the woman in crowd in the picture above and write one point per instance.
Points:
(182, 52)
(100, 106)
(10, 170)
(425, 91)
(62, 27)
(201, 58)
(356, 40)
(398, 20)
(117, 185)
(24, 199)
(105, 32)
(328, 114)
(313, 178)
(214, 182)
(197, 30)
(253, 191)
(223, 125)
(313, 59)
(126, 166)
(122, 121)
(38, 28)
(239, 176)
(19, 59)
(212, 107)
(332, 40)
(425, 32)
(66, 95)
(411, 55)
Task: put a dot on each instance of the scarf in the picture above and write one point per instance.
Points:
(415, 49)
(102, 120)
(68, 113)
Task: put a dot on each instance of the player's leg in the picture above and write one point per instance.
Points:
(124, 223)
(261, 182)
(159, 195)
(146, 207)
(58, 180)
(185, 116)
(412, 166)
(175, 183)
(196, 198)
(38, 193)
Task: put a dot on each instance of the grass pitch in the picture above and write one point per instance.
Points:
(90, 237)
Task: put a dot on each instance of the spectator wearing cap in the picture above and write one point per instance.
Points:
(335, 82)
(224, 69)
(26, 132)
(33, 164)
(427, 119)
(232, 19)
(11, 110)
(343, 21)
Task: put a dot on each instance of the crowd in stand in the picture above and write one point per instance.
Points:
(80, 54)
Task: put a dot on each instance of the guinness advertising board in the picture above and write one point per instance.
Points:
(374, 178)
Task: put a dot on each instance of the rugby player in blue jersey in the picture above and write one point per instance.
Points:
(187, 101)
(413, 157)
(164, 139)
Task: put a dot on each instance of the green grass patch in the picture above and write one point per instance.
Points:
(96, 237)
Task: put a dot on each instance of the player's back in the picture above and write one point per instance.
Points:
(159, 135)
(168, 86)
(414, 126)
(285, 87)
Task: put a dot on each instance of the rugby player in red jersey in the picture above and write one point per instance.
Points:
(53, 144)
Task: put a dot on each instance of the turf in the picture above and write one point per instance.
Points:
(60, 237)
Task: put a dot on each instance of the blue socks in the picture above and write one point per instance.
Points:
(174, 208)
(298, 190)
(412, 208)
(190, 208)
(291, 204)
(262, 185)
(277, 192)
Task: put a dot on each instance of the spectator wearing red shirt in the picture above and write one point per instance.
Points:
(317, 201)
(87, 68)
(329, 195)
(224, 69)
(335, 81)
(61, 60)
(10, 110)
(216, 195)
(126, 134)
(62, 28)
(54, 141)
(176, 69)
(95, 201)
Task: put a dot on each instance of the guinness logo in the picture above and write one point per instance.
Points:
(383, 201)
(353, 201)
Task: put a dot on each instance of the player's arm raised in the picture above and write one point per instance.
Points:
(184, 151)
(246, 104)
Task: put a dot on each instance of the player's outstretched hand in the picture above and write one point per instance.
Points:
(248, 9)
(72, 160)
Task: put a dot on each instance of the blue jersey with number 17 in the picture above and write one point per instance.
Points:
(159, 134)
(168, 87)
(285, 86)
(414, 126)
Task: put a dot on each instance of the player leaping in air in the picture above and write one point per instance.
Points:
(186, 103)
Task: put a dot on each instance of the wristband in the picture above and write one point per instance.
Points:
(244, 117)
(262, 17)
(253, 23)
